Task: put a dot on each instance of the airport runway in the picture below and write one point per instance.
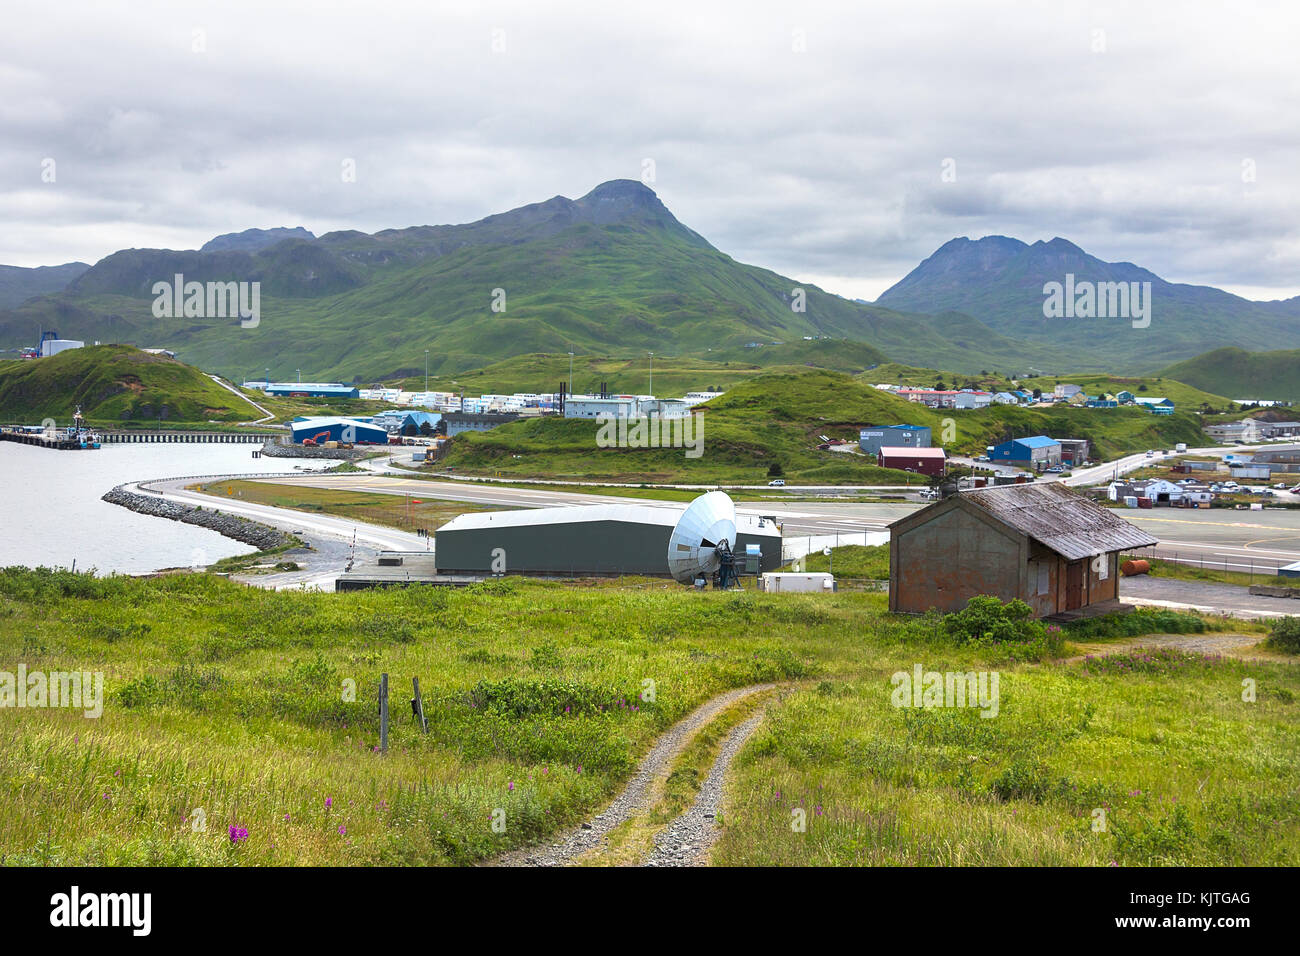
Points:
(1235, 540)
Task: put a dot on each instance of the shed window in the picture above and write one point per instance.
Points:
(1044, 578)
(1103, 567)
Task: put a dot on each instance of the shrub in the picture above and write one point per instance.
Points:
(986, 619)
(1285, 635)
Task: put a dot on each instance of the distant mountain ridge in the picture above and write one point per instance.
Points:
(18, 284)
(250, 240)
(613, 272)
(999, 281)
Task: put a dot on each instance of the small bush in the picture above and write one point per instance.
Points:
(985, 619)
(1285, 635)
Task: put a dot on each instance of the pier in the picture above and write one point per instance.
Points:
(131, 437)
(38, 438)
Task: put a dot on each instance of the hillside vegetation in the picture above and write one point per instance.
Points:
(234, 700)
(779, 417)
(1234, 372)
(114, 384)
(673, 375)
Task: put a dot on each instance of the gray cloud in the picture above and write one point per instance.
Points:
(823, 164)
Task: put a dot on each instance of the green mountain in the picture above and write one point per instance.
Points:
(1237, 373)
(1000, 282)
(114, 384)
(612, 273)
(18, 284)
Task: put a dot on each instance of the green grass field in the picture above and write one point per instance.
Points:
(235, 700)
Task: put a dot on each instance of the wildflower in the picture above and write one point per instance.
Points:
(510, 786)
(238, 834)
(286, 818)
(343, 831)
(329, 802)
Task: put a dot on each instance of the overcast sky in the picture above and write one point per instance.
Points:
(805, 137)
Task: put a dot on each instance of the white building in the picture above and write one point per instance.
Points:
(55, 346)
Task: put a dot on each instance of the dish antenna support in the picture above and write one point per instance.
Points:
(700, 545)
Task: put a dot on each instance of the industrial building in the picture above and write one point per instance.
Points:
(1074, 451)
(871, 439)
(401, 421)
(458, 422)
(333, 428)
(1042, 543)
(1035, 453)
(1284, 459)
(582, 540)
(312, 389)
(922, 461)
(55, 346)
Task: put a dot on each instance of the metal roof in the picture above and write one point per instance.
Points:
(1063, 520)
(1037, 441)
(666, 515)
(909, 452)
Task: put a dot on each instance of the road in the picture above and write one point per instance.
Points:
(267, 416)
(1233, 540)
(330, 537)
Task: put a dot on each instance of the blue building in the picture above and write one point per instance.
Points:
(872, 439)
(1037, 453)
(333, 428)
(397, 421)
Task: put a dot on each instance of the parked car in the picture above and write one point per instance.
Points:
(776, 483)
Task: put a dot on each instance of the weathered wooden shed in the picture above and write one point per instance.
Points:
(1043, 543)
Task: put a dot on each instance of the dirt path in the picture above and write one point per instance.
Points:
(1229, 645)
(688, 840)
(634, 798)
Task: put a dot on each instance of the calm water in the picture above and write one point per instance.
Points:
(51, 513)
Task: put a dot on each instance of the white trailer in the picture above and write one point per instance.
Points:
(797, 581)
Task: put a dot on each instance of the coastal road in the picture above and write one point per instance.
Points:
(330, 536)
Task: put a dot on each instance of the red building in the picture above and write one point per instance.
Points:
(923, 461)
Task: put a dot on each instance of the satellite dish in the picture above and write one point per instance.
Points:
(703, 534)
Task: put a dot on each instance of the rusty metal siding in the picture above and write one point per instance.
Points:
(944, 562)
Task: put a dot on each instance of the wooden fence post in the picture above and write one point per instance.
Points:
(417, 705)
(383, 713)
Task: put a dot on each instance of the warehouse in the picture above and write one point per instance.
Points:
(871, 439)
(1037, 453)
(458, 422)
(922, 461)
(312, 390)
(1042, 543)
(332, 428)
(581, 540)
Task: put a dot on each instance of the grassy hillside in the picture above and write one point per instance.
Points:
(228, 698)
(673, 375)
(114, 384)
(1237, 373)
(779, 417)
(1184, 396)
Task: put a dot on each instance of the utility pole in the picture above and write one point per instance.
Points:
(299, 376)
(652, 373)
(570, 373)
(426, 375)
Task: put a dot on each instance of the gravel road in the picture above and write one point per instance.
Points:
(634, 798)
(688, 839)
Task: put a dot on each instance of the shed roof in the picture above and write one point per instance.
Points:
(910, 452)
(1063, 520)
(1037, 441)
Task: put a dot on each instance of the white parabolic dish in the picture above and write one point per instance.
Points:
(692, 548)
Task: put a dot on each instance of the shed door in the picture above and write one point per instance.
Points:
(1074, 585)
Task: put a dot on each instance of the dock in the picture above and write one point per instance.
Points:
(163, 435)
(39, 439)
